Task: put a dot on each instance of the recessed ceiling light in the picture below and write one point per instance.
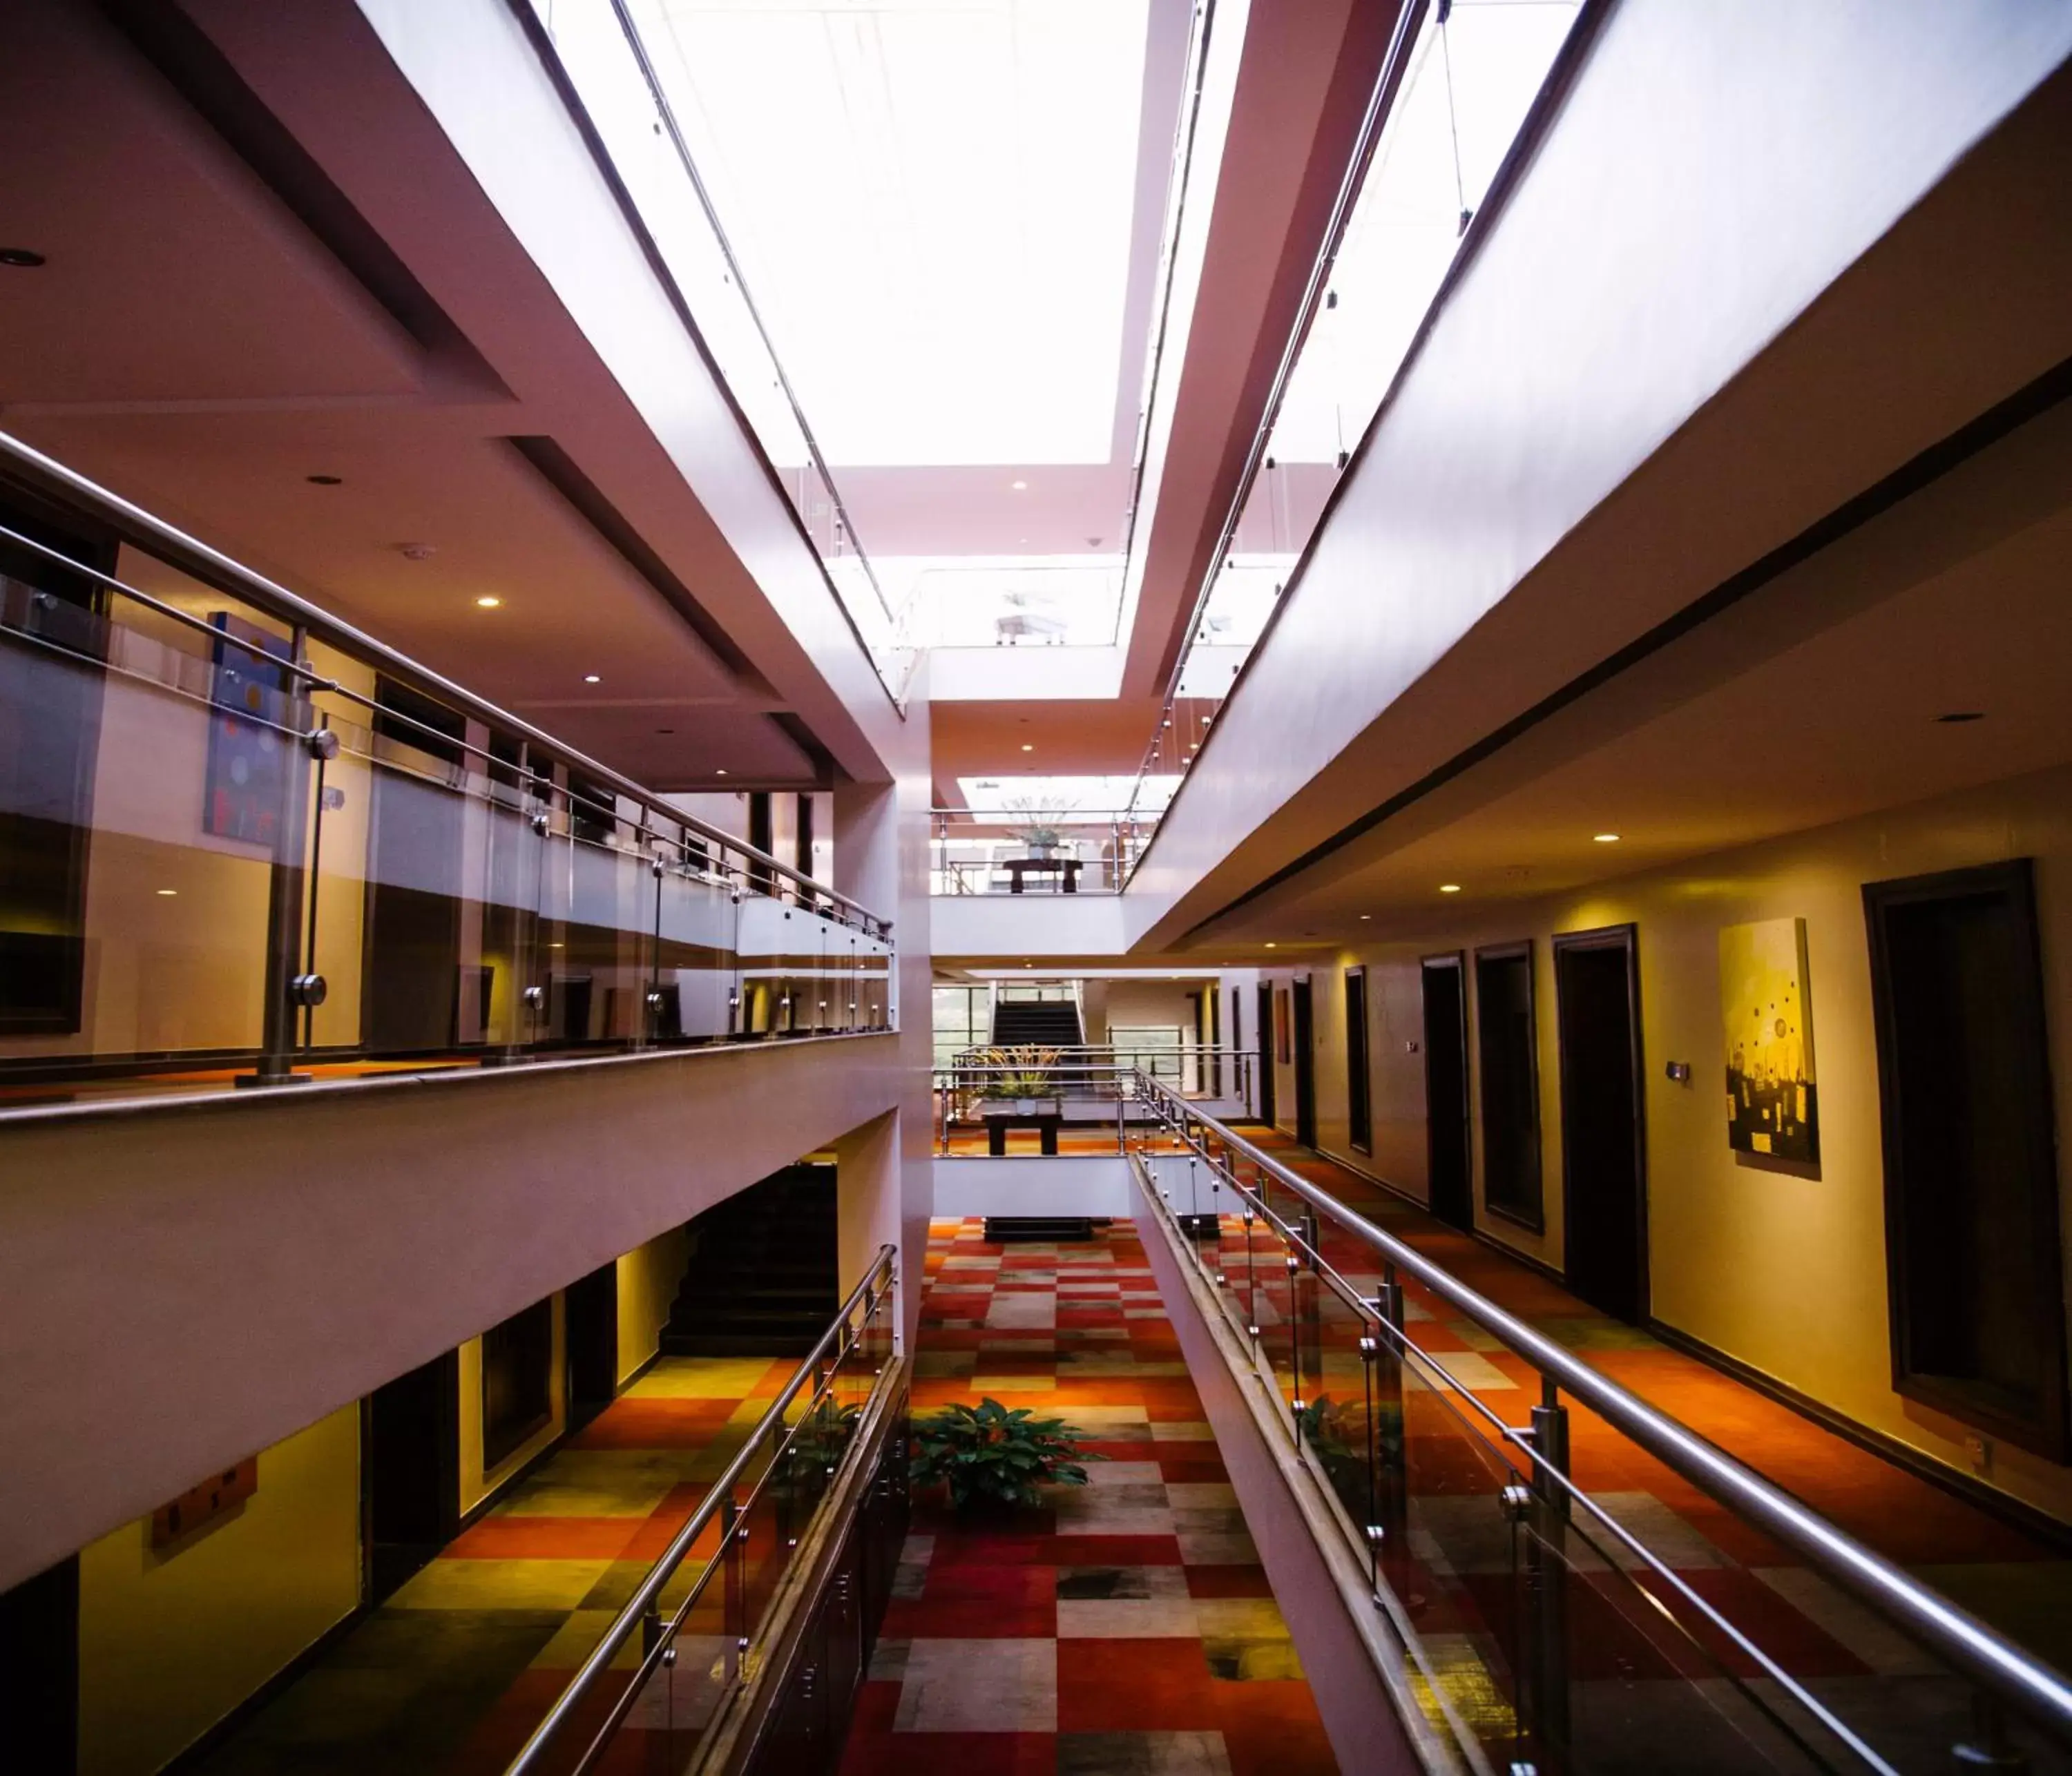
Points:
(168, 893)
(1273, 946)
(1019, 486)
(591, 678)
(1026, 747)
(1367, 915)
(21, 258)
(324, 480)
(721, 772)
(488, 602)
(1604, 838)
(1449, 887)
(1962, 715)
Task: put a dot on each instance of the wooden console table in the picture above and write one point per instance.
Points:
(1016, 868)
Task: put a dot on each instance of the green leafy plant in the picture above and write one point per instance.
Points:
(988, 1454)
(1040, 829)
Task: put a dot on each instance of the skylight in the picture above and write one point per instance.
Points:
(932, 202)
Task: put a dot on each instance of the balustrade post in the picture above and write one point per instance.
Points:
(1546, 1581)
(289, 989)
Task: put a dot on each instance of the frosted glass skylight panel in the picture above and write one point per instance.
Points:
(932, 203)
(1019, 601)
(1007, 793)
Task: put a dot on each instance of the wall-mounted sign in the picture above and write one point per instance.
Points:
(215, 1497)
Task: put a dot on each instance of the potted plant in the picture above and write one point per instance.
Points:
(1039, 829)
(988, 1456)
(1022, 1076)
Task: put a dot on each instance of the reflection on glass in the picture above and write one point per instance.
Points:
(198, 823)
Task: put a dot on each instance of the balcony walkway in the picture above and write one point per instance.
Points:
(1129, 1627)
(2020, 1584)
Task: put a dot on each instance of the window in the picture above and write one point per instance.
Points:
(961, 1014)
(1359, 1116)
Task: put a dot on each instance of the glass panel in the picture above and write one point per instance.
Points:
(698, 931)
(148, 783)
(1456, 1570)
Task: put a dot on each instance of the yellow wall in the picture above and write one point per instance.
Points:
(647, 1279)
(476, 1485)
(1787, 1273)
(171, 1640)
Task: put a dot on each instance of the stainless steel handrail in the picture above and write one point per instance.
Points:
(1953, 1634)
(532, 1753)
(216, 568)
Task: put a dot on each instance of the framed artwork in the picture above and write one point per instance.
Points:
(1772, 1104)
(248, 765)
(1283, 1046)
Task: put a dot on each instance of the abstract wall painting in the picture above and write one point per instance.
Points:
(1773, 1107)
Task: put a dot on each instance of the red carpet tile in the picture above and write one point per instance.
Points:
(1123, 1627)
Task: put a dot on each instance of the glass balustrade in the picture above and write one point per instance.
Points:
(1457, 98)
(1502, 1501)
(234, 848)
(1024, 1099)
(703, 1622)
(974, 851)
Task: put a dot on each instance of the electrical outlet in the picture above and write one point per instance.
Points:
(1410, 1048)
(1981, 1453)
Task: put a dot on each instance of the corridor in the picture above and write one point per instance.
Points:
(449, 1674)
(2013, 1580)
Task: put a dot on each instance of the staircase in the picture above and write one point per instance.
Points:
(763, 1281)
(1047, 1023)
(1043, 1023)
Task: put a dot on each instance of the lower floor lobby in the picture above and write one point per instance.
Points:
(1128, 1626)
(1125, 1628)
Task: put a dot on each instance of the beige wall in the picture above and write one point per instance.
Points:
(475, 1483)
(1783, 1272)
(648, 1276)
(1152, 1005)
(171, 1639)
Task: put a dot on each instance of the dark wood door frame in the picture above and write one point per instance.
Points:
(1359, 1083)
(1456, 961)
(2048, 1431)
(1265, 1105)
(1626, 938)
(1302, 1010)
(1533, 1220)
